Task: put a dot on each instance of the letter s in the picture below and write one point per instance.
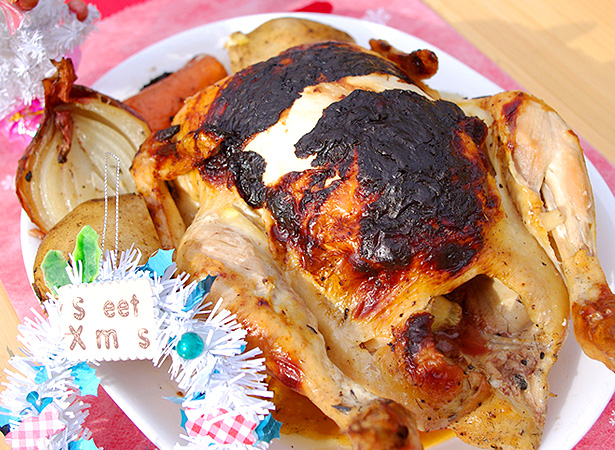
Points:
(80, 314)
(144, 340)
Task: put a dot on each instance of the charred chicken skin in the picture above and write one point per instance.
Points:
(370, 238)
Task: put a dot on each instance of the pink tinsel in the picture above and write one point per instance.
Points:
(23, 122)
(13, 15)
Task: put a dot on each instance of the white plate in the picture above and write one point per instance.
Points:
(582, 387)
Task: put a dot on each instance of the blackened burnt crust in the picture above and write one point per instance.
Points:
(397, 180)
(420, 180)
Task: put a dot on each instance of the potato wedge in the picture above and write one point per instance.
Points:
(275, 36)
(135, 227)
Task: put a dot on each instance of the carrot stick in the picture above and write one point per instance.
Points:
(158, 102)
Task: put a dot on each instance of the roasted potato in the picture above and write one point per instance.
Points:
(135, 227)
(275, 36)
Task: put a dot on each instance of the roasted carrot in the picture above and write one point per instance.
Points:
(158, 102)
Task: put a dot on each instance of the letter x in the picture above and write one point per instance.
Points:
(76, 337)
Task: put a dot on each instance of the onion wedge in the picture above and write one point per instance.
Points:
(64, 165)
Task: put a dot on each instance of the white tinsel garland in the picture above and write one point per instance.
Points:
(43, 379)
(49, 31)
(224, 383)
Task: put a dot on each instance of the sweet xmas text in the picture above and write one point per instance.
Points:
(109, 320)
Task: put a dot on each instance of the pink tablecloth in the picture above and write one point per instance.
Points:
(121, 33)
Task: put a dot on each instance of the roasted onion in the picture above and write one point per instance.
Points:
(64, 165)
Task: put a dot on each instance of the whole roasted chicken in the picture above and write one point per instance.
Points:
(404, 261)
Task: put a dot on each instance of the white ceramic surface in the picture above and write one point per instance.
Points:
(582, 387)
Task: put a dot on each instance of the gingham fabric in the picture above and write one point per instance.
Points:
(231, 429)
(34, 428)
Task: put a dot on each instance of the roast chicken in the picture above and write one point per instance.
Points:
(405, 262)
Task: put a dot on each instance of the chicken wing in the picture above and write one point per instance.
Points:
(542, 162)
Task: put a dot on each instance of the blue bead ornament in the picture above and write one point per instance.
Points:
(190, 345)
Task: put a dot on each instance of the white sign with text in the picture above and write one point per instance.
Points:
(109, 321)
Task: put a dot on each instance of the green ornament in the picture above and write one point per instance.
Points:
(88, 252)
(54, 270)
(190, 346)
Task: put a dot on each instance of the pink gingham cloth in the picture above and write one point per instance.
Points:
(223, 428)
(139, 25)
(33, 430)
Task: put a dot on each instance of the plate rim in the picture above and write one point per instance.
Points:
(102, 84)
